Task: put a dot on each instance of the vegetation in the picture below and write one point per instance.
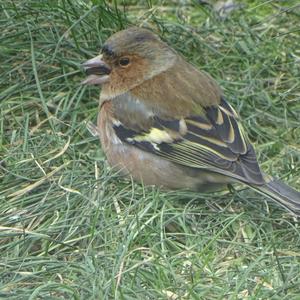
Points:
(71, 228)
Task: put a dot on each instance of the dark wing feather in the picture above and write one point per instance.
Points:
(214, 141)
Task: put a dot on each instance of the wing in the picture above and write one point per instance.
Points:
(214, 141)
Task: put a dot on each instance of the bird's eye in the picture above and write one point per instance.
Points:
(124, 61)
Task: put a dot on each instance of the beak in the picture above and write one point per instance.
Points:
(97, 70)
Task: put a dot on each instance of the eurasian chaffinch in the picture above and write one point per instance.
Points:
(165, 123)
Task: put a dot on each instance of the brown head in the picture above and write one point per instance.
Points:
(128, 58)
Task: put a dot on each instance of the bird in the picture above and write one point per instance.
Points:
(163, 122)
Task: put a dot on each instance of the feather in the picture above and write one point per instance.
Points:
(214, 141)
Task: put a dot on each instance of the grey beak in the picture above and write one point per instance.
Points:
(97, 70)
(96, 66)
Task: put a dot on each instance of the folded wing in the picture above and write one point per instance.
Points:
(214, 141)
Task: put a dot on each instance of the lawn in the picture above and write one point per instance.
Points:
(71, 228)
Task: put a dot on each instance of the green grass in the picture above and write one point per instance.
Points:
(70, 228)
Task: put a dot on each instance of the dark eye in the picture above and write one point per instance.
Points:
(124, 61)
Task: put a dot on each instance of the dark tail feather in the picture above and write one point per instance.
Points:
(282, 194)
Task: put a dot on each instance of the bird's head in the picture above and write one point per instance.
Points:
(128, 58)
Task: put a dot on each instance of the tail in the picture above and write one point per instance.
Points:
(282, 194)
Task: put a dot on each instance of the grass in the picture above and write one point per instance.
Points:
(70, 228)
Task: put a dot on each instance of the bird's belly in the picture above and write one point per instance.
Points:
(149, 169)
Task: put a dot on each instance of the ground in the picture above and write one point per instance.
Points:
(71, 228)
